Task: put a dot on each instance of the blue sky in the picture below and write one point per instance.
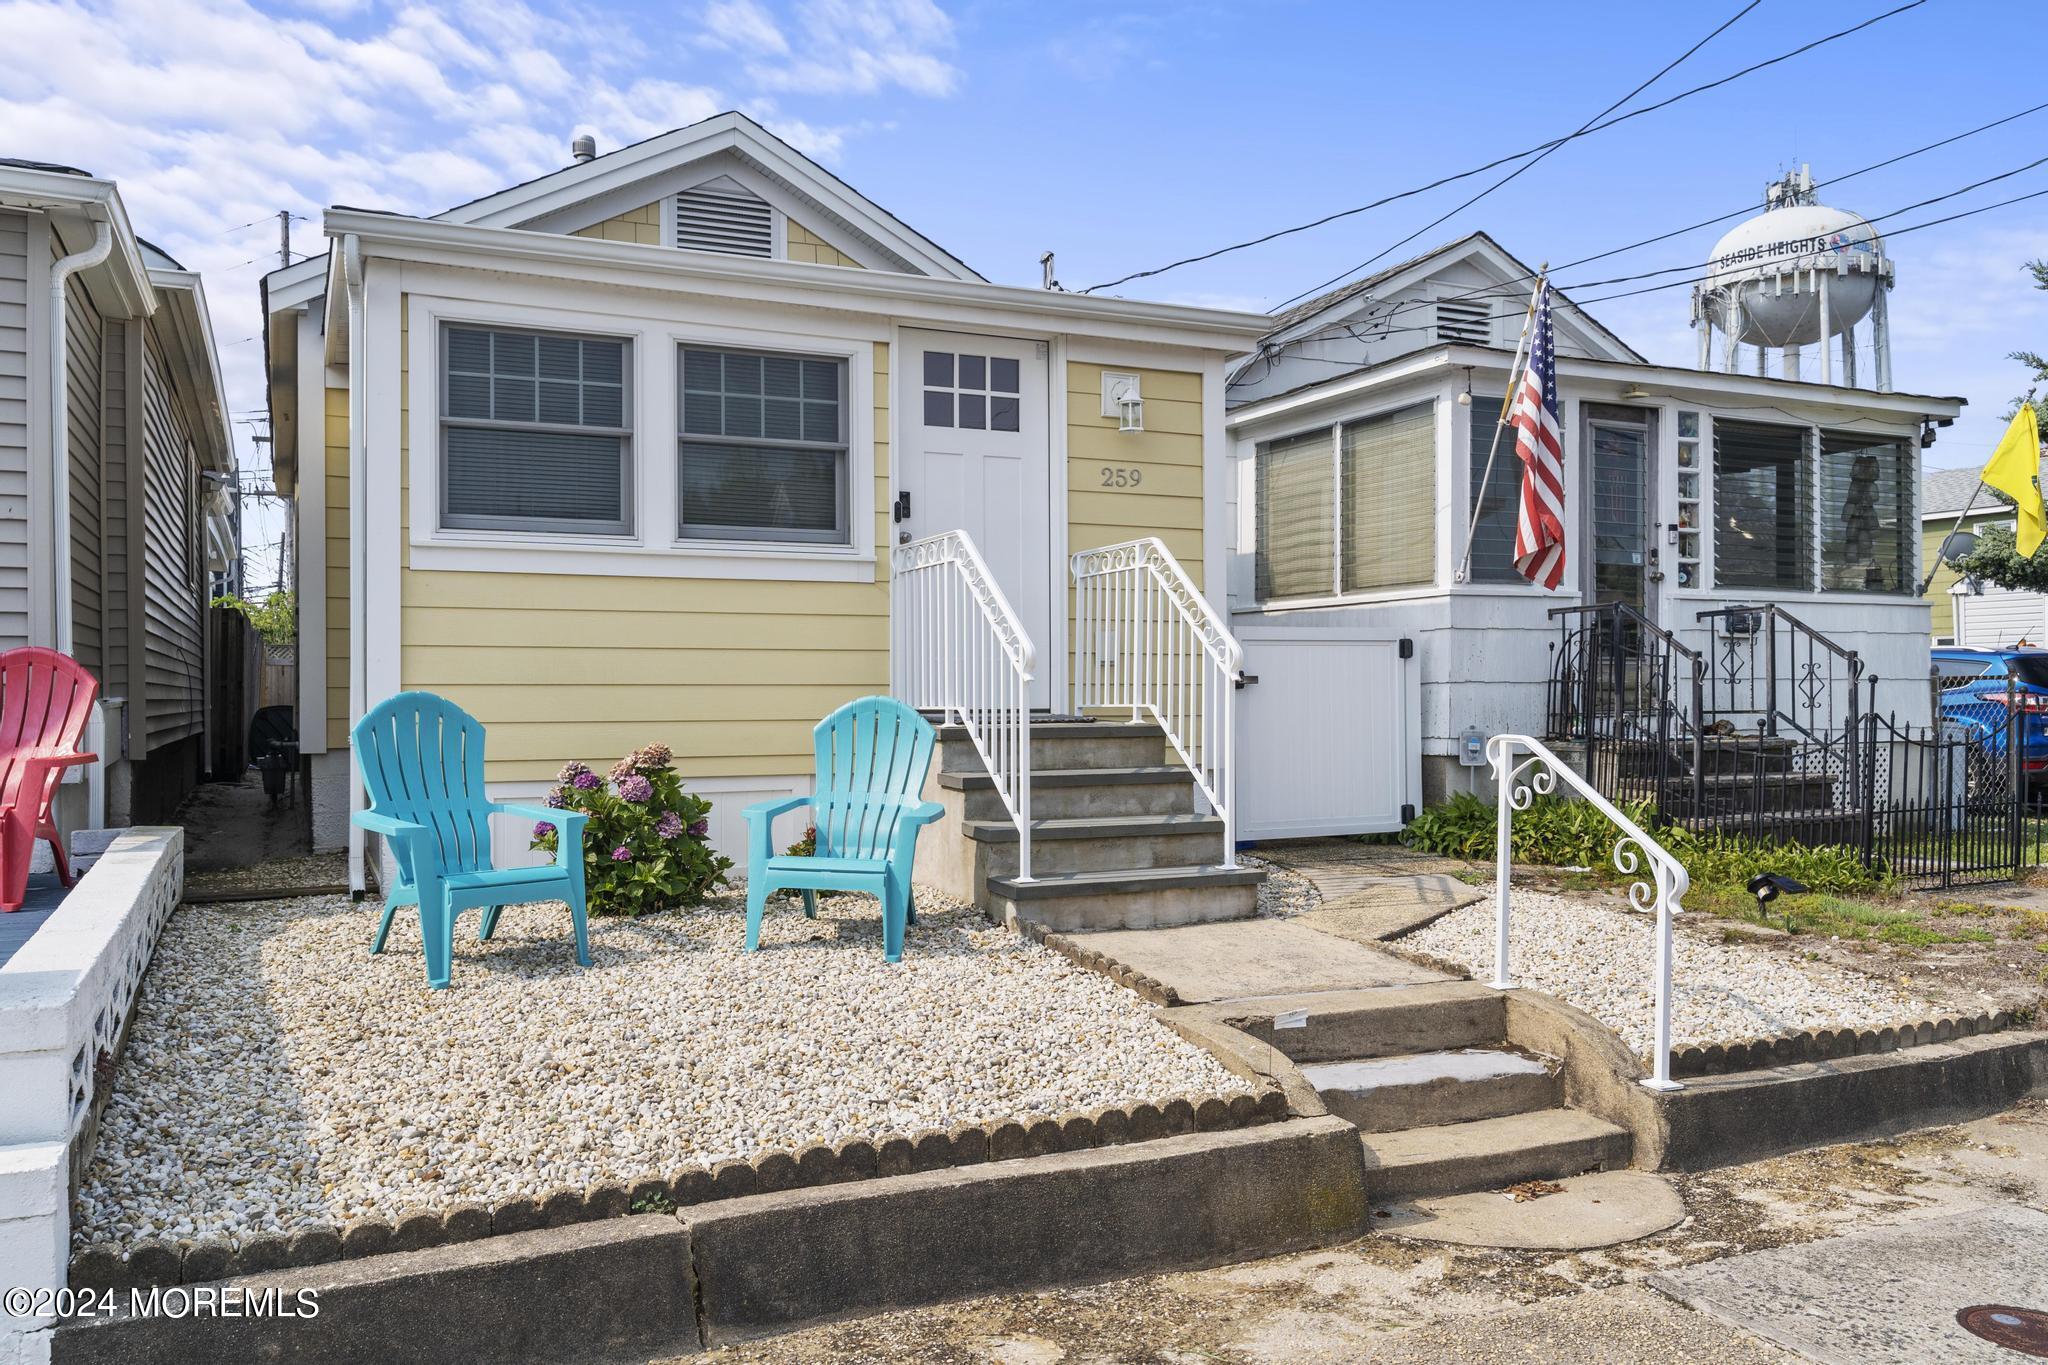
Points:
(1118, 137)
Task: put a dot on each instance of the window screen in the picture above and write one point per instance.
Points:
(1866, 514)
(1295, 541)
(1390, 500)
(1498, 497)
(763, 446)
(534, 432)
(1763, 506)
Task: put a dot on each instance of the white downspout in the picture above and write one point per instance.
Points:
(61, 271)
(358, 689)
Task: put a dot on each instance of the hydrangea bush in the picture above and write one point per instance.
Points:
(645, 848)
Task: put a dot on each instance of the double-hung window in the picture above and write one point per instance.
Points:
(1347, 509)
(535, 432)
(762, 447)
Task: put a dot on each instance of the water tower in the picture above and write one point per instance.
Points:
(1798, 274)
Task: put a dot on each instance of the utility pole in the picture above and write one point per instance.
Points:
(284, 237)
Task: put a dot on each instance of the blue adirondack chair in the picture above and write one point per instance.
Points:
(422, 758)
(872, 757)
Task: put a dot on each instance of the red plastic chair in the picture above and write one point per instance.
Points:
(45, 700)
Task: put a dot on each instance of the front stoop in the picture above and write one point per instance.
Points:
(1117, 837)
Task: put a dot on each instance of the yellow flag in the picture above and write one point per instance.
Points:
(2014, 469)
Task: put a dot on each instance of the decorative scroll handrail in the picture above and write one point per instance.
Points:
(1145, 638)
(957, 647)
(1658, 880)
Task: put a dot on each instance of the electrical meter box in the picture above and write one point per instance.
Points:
(1472, 747)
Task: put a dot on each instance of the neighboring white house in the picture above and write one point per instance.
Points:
(1968, 611)
(122, 490)
(1360, 430)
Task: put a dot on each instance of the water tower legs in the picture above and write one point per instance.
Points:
(1827, 330)
(1849, 355)
(1881, 338)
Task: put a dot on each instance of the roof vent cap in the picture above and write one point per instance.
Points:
(584, 148)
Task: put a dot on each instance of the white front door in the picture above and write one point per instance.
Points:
(974, 455)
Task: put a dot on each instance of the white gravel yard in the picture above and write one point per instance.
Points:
(278, 1074)
(1599, 956)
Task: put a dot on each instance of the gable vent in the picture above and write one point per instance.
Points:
(723, 215)
(1469, 321)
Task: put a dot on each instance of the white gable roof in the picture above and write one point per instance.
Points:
(1470, 292)
(731, 146)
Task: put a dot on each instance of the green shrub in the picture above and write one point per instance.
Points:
(645, 847)
(1556, 832)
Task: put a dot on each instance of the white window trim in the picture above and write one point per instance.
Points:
(1429, 586)
(652, 549)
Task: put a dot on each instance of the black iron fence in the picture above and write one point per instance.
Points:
(1768, 731)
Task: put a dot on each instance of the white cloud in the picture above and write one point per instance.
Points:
(212, 114)
(743, 25)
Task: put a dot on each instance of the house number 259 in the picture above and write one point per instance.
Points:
(1114, 476)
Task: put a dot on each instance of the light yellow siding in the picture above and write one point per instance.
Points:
(731, 674)
(337, 568)
(1166, 456)
(801, 244)
(642, 225)
(1932, 534)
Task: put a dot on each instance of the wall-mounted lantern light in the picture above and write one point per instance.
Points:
(1122, 400)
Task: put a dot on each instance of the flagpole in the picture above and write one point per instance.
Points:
(1507, 403)
(1928, 581)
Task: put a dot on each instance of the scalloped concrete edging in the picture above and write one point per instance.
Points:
(159, 1263)
(1819, 1045)
(663, 1284)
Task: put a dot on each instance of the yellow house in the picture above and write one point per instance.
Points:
(620, 455)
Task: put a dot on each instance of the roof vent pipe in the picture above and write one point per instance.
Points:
(584, 148)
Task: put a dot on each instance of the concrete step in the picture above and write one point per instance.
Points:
(1065, 744)
(1098, 843)
(1418, 1090)
(1489, 1154)
(1072, 794)
(1145, 898)
(1344, 1026)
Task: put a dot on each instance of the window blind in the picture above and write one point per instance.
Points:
(534, 432)
(1295, 548)
(1866, 514)
(762, 446)
(1500, 499)
(1389, 483)
(1763, 506)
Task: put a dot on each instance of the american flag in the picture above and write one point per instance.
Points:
(1539, 532)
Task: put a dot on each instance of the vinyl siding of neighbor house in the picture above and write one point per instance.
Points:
(336, 461)
(1166, 455)
(731, 674)
(13, 430)
(172, 664)
(82, 398)
(643, 225)
(1932, 533)
(114, 509)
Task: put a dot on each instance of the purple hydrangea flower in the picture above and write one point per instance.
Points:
(669, 826)
(700, 828)
(635, 787)
(570, 772)
(542, 829)
(556, 800)
(622, 854)
(588, 780)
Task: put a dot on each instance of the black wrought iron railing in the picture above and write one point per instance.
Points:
(1630, 693)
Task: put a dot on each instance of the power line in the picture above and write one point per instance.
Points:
(1499, 161)
(1441, 218)
(1505, 289)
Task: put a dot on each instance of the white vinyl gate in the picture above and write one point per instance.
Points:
(1330, 736)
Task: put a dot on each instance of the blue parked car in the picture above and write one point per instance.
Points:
(1977, 689)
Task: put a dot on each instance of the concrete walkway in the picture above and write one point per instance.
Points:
(1370, 892)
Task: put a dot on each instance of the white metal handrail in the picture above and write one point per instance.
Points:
(1145, 638)
(957, 647)
(1660, 887)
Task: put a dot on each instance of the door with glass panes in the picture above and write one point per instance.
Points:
(1622, 562)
